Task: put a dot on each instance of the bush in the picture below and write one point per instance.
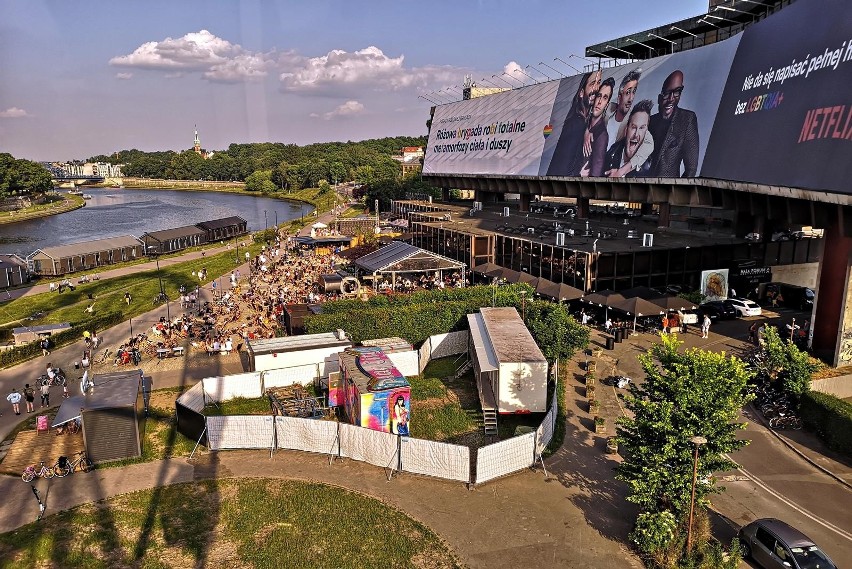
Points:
(830, 417)
(654, 531)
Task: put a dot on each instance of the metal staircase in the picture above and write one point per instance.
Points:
(462, 369)
(489, 418)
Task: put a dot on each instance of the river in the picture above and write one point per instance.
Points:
(112, 212)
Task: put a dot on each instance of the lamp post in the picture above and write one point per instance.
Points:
(697, 441)
(265, 220)
(523, 305)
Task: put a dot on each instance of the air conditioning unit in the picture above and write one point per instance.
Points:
(560, 239)
(505, 212)
(647, 240)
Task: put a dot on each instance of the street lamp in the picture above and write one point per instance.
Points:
(697, 441)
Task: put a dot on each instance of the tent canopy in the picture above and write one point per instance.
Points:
(399, 257)
(557, 291)
(319, 225)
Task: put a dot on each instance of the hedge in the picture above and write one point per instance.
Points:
(830, 417)
(23, 353)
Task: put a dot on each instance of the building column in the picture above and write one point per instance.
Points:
(831, 328)
(524, 205)
(665, 212)
(582, 208)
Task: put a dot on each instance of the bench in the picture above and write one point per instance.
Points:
(178, 350)
(162, 353)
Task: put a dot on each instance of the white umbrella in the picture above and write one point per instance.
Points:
(319, 225)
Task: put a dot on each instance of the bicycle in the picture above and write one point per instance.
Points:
(786, 422)
(31, 472)
(161, 298)
(82, 462)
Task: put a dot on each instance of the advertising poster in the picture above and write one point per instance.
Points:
(500, 133)
(785, 116)
(388, 411)
(714, 284)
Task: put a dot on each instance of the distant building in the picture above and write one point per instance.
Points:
(474, 92)
(196, 147)
(73, 257)
(412, 159)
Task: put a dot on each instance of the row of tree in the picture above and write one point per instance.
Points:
(20, 177)
(291, 167)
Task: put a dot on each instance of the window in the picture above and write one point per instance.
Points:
(766, 538)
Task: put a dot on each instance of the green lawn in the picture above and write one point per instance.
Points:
(443, 409)
(240, 406)
(229, 523)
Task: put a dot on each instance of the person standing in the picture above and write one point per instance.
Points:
(127, 298)
(45, 345)
(15, 399)
(45, 395)
(29, 396)
(705, 327)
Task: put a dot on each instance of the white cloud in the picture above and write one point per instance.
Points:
(347, 109)
(339, 72)
(14, 113)
(216, 58)
(123, 76)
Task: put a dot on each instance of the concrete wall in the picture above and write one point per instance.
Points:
(264, 362)
(804, 274)
(840, 386)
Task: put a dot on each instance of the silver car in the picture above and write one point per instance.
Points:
(773, 544)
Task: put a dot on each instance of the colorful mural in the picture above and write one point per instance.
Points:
(388, 411)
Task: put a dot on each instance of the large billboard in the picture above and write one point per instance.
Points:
(765, 106)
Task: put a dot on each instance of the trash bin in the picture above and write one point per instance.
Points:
(610, 343)
(617, 336)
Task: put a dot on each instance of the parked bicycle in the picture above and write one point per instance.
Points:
(82, 462)
(58, 378)
(31, 472)
(786, 421)
(161, 298)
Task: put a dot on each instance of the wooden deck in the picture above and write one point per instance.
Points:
(30, 447)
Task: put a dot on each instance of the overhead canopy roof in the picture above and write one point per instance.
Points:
(87, 247)
(399, 257)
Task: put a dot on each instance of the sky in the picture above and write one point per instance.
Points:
(78, 79)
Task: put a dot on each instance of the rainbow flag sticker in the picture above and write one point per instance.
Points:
(548, 130)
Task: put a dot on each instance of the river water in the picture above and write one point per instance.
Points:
(112, 212)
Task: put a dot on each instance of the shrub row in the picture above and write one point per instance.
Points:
(23, 353)
(830, 417)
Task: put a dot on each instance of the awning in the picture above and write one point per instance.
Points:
(557, 291)
(69, 410)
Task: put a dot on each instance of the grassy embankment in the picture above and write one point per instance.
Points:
(67, 203)
(229, 522)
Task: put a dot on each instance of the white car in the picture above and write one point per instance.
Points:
(744, 307)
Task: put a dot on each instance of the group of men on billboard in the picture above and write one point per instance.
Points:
(606, 135)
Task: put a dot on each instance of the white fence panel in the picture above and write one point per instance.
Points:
(240, 431)
(450, 344)
(408, 363)
(367, 445)
(283, 377)
(425, 353)
(306, 434)
(505, 457)
(432, 458)
(544, 433)
(193, 398)
(224, 388)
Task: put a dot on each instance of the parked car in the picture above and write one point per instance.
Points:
(744, 307)
(718, 310)
(774, 544)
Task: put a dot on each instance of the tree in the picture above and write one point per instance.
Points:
(260, 181)
(554, 329)
(783, 363)
(685, 394)
(23, 177)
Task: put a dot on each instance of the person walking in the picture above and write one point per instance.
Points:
(705, 327)
(29, 396)
(127, 298)
(45, 395)
(45, 345)
(15, 399)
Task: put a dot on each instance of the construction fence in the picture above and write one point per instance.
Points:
(392, 452)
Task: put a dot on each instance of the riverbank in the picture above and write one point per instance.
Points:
(189, 185)
(69, 203)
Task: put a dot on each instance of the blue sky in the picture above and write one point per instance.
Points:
(85, 78)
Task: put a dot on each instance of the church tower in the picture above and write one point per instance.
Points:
(197, 145)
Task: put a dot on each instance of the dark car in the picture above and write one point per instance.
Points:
(774, 544)
(718, 310)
